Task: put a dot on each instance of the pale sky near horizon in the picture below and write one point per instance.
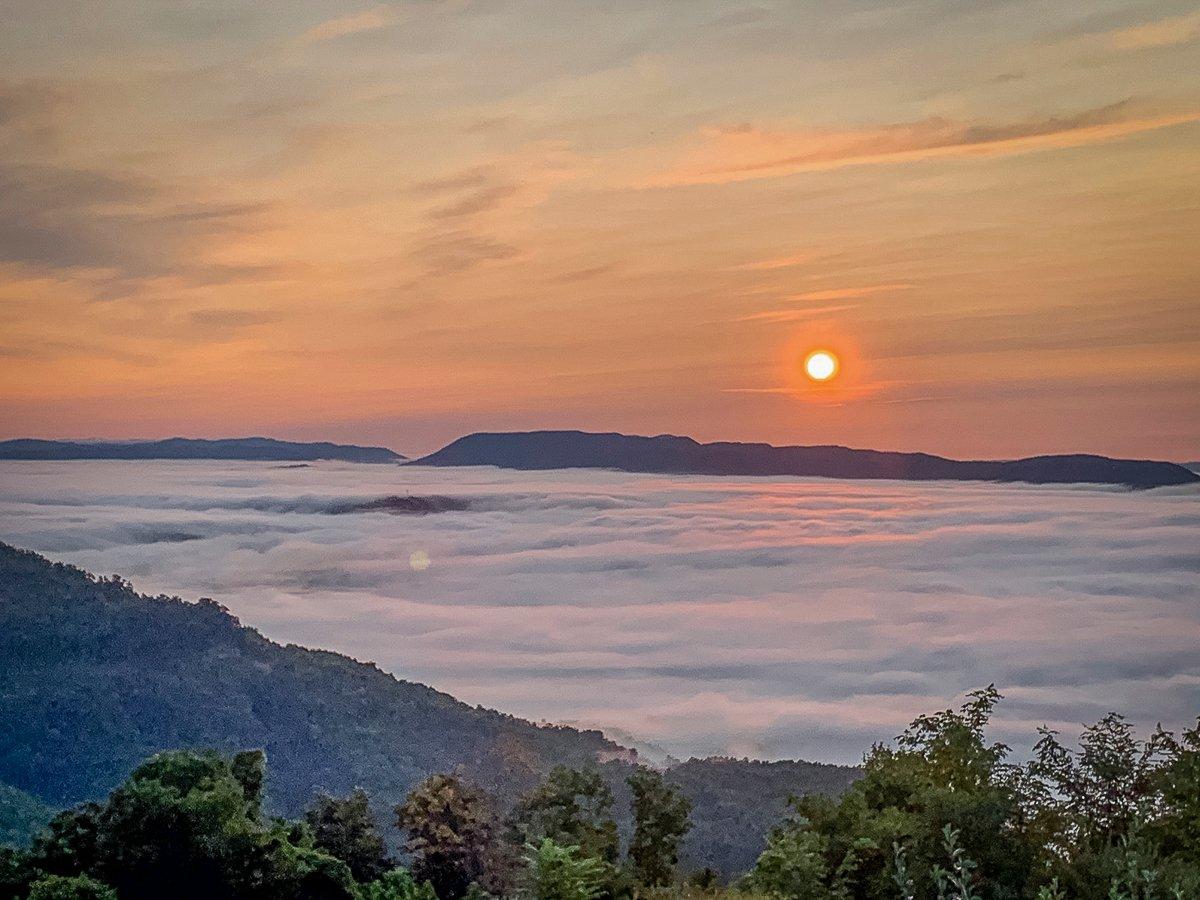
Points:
(396, 223)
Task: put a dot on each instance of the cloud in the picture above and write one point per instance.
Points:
(231, 319)
(776, 262)
(355, 23)
(797, 616)
(1168, 32)
(478, 201)
(793, 315)
(745, 152)
(57, 213)
(851, 292)
(799, 315)
(451, 252)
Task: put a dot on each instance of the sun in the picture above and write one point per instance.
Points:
(820, 365)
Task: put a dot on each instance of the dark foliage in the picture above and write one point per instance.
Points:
(572, 807)
(452, 832)
(345, 828)
(660, 820)
(184, 825)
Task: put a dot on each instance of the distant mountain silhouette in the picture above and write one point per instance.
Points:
(669, 454)
(251, 448)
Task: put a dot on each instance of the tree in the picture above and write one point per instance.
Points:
(397, 884)
(1177, 829)
(75, 887)
(660, 820)
(69, 843)
(554, 872)
(346, 829)
(1119, 814)
(943, 814)
(188, 825)
(571, 807)
(792, 866)
(450, 827)
(942, 772)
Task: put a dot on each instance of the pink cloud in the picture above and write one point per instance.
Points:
(745, 153)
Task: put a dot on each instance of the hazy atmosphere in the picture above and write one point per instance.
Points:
(772, 618)
(600, 450)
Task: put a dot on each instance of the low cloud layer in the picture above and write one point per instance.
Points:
(772, 618)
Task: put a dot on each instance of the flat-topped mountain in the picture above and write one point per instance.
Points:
(669, 454)
(250, 448)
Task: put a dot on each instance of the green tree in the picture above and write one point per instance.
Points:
(188, 825)
(791, 867)
(398, 884)
(346, 829)
(942, 772)
(1177, 782)
(660, 820)
(16, 873)
(450, 827)
(571, 807)
(68, 845)
(74, 887)
(555, 872)
(1119, 815)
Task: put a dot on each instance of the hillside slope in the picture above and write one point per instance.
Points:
(95, 677)
(21, 816)
(669, 454)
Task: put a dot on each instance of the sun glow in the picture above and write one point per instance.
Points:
(820, 365)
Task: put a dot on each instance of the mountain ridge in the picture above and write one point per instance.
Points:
(678, 455)
(247, 448)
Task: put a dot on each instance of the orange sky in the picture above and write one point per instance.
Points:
(398, 223)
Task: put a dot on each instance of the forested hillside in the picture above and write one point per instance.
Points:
(96, 677)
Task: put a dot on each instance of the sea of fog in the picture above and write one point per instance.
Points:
(748, 616)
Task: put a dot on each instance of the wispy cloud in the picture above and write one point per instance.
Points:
(746, 152)
(776, 262)
(355, 23)
(849, 292)
(794, 315)
(1167, 32)
(800, 314)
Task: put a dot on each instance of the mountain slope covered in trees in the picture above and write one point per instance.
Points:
(21, 816)
(96, 677)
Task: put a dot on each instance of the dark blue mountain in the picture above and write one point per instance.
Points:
(251, 448)
(669, 454)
